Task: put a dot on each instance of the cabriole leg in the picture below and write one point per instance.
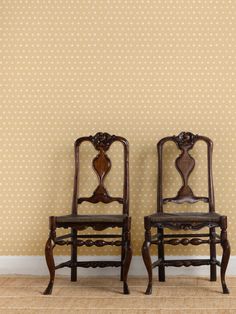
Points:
(147, 257)
(226, 253)
(50, 244)
(127, 254)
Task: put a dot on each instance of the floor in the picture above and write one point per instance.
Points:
(23, 294)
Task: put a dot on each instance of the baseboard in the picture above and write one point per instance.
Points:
(36, 265)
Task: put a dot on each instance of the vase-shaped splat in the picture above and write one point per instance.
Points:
(185, 165)
(101, 165)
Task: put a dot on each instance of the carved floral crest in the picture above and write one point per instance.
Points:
(102, 140)
(185, 140)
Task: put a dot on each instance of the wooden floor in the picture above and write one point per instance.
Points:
(23, 294)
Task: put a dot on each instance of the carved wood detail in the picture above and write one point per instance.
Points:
(185, 140)
(101, 264)
(186, 226)
(186, 241)
(180, 200)
(89, 243)
(187, 263)
(99, 227)
(185, 164)
(102, 166)
(102, 140)
(96, 227)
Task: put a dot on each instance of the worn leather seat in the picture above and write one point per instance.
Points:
(90, 218)
(184, 217)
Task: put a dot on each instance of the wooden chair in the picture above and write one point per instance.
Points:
(101, 165)
(185, 220)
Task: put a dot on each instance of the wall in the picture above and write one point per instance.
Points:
(139, 69)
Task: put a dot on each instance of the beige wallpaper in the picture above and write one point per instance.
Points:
(139, 69)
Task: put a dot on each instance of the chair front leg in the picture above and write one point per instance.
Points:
(147, 257)
(226, 253)
(127, 254)
(50, 244)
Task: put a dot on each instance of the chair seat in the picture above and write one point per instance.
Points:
(185, 217)
(91, 219)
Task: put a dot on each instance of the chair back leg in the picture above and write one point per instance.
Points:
(213, 276)
(161, 254)
(122, 258)
(74, 255)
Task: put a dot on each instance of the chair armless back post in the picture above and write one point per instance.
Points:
(185, 164)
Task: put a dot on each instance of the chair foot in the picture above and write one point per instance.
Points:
(213, 279)
(161, 274)
(213, 274)
(49, 288)
(149, 289)
(73, 277)
(225, 289)
(122, 272)
(125, 288)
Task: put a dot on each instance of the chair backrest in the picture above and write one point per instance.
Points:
(185, 164)
(102, 165)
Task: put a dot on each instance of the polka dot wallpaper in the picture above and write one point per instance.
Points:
(142, 69)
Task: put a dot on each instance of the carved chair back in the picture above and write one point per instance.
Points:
(185, 164)
(102, 165)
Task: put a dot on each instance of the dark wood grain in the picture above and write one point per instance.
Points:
(101, 165)
(185, 164)
(146, 254)
(50, 244)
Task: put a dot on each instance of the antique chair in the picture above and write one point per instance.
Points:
(101, 165)
(185, 220)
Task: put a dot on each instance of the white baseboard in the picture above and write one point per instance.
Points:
(36, 265)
